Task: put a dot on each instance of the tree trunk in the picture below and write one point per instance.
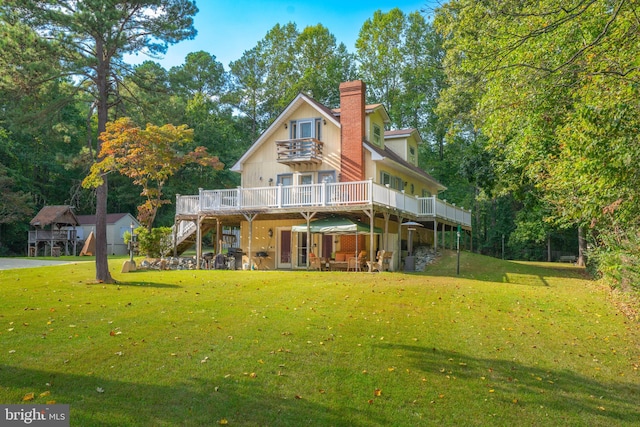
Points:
(582, 247)
(548, 247)
(102, 262)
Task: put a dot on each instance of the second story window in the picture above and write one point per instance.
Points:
(305, 128)
(412, 155)
(377, 135)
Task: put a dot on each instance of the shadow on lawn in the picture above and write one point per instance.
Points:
(147, 284)
(570, 394)
(195, 401)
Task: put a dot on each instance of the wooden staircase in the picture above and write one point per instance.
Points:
(187, 233)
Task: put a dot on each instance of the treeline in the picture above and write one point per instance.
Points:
(531, 129)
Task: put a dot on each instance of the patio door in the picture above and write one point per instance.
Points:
(284, 248)
(302, 250)
(327, 245)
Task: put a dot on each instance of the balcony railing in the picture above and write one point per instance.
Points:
(319, 195)
(296, 151)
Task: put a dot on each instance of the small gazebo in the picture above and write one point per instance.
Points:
(53, 229)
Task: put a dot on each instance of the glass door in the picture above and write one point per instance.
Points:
(302, 250)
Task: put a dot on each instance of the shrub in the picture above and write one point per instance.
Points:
(155, 243)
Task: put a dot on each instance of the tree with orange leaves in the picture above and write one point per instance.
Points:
(149, 157)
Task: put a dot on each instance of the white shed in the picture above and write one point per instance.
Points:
(117, 224)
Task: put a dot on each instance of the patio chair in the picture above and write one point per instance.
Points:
(376, 265)
(386, 260)
(315, 263)
(357, 264)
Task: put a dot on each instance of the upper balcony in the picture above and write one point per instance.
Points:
(299, 151)
(329, 196)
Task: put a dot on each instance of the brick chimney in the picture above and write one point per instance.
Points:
(352, 113)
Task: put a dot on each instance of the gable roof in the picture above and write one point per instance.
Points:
(368, 109)
(57, 215)
(403, 133)
(380, 154)
(281, 120)
(111, 218)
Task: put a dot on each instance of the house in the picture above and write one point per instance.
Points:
(53, 232)
(313, 163)
(117, 224)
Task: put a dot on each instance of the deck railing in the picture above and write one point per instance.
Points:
(320, 195)
(49, 235)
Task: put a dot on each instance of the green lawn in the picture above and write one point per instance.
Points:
(504, 343)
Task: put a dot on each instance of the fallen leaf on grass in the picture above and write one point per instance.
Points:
(29, 396)
(45, 393)
(223, 422)
(377, 392)
(99, 389)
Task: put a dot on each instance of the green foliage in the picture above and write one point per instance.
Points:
(554, 89)
(153, 243)
(616, 258)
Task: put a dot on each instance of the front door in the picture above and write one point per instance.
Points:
(284, 248)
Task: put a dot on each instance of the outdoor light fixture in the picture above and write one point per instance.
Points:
(270, 233)
(285, 126)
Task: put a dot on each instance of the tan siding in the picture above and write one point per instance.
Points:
(263, 162)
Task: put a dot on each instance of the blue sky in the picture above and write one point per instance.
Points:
(227, 28)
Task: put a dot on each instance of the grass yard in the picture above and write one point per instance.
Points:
(504, 343)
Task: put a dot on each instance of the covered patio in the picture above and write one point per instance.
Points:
(337, 226)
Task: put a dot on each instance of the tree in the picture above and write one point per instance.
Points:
(95, 34)
(15, 205)
(322, 65)
(556, 94)
(379, 51)
(248, 89)
(200, 74)
(149, 157)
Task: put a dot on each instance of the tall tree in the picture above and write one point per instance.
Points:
(379, 51)
(200, 74)
(248, 88)
(322, 65)
(95, 35)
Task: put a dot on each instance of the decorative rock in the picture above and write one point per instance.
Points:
(171, 263)
(424, 255)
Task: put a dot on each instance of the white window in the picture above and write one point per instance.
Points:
(304, 179)
(285, 179)
(377, 135)
(327, 176)
(305, 128)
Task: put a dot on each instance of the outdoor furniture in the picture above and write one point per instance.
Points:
(357, 263)
(386, 260)
(376, 265)
(340, 262)
(315, 263)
